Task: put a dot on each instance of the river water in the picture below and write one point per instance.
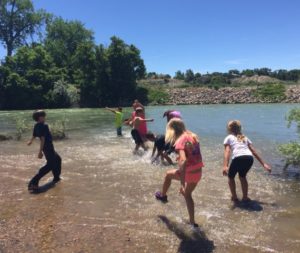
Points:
(105, 202)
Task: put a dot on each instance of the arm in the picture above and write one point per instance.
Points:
(226, 159)
(30, 141)
(40, 155)
(146, 120)
(266, 166)
(111, 110)
(182, 167)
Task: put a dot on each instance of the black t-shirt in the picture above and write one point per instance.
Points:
(42, 130)
(160, 142)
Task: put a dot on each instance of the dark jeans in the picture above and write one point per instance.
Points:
(119, 131)
(53, 164)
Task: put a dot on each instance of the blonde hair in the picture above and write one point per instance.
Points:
(175, 128)
(235, 127)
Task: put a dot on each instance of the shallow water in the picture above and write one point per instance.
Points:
(105, 202)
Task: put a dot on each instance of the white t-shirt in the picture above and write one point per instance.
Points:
(238, 148)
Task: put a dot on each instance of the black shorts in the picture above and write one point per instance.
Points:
(241, 165)
(160, 143)
(137, 137)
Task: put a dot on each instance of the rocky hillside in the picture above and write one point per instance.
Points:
(228, 95)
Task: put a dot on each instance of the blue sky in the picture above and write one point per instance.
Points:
(211, 35)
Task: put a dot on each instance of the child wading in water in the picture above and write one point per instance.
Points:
(190, 164)
(139, 125)
(41, 130)
(118, 119)
(242, 158)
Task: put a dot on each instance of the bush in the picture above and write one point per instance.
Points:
(58, 129)
(271, 92)
(291, 151)
(156, 96)
(21, 127)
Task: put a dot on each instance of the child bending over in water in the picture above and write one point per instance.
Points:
(159, 146)
(190, 164)
(138, 123)
(242, 158)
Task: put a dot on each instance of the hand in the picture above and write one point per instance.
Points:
(267, 167)
(40, 155)
(225, 170)
(182, 190)
(29, 142)
(151, 120)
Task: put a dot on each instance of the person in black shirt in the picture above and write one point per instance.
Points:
(41, 130)
(159, 146)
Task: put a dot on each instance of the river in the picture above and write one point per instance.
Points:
(105, 202)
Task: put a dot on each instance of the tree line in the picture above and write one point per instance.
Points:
(216, 78)
(53, 63)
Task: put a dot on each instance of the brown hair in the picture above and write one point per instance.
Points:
(235, 127)
(37, 114)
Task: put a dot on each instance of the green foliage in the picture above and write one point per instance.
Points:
(18, 21)
(294, 116)
(58, 129)
(62, 95)
(291, 151)
(21, 127)
(271, 92)
(157, 96)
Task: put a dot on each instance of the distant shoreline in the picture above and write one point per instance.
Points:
(227, 95)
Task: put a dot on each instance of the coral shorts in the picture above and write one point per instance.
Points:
(191, 176)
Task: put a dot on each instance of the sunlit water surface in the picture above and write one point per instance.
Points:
(105, 202)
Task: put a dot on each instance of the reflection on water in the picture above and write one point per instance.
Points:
(105, 202)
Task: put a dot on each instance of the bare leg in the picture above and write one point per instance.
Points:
(232, 187)
(170, 175)
(189, 188)
(244, 184)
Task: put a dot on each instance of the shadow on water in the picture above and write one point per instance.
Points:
(44, 188)
(190, 243)
(251, 206)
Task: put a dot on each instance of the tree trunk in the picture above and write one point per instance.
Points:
(9, 50)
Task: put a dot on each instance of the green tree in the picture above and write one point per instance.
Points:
(30, 75)
(18, 21)
(62, 40)
(179, 75)
(189, 76)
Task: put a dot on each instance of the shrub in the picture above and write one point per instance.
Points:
(58, 129)
(156, 96)
(291, 151)
(21, 127)
(271, 92)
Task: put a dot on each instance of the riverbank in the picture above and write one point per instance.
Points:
(228, 95)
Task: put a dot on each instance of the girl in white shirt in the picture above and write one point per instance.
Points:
(242, 152)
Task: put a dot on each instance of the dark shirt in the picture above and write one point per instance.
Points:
(160, 143)
(42, 130)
